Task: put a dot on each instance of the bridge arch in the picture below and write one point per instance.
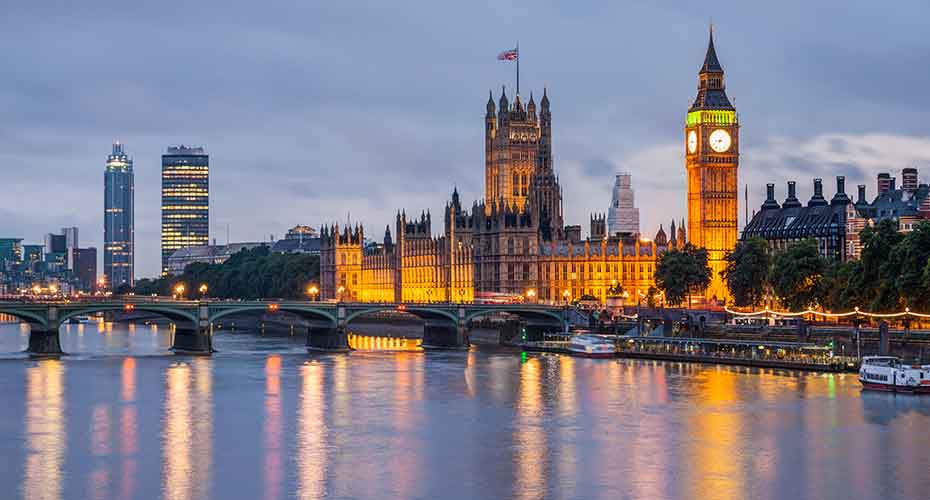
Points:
(522, 312)
(30, 317)
(303, 311)
(172, 313)
(425, 312)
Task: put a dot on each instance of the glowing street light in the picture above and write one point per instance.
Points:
(179, 290)
(566, 294)
(339, 292)
(531, 294)
(53, 289)
(203, 290)
(313, 291)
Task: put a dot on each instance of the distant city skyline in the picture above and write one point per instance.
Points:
(305, 137)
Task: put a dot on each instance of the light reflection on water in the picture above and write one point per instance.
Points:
(45, 430)
(393, 423)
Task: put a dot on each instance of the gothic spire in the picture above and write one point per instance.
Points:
(711, 63)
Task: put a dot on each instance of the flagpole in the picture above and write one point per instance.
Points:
(518, 68)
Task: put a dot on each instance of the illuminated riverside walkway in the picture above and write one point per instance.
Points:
(444, 325)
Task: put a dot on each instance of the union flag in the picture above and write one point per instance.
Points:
(508, 55)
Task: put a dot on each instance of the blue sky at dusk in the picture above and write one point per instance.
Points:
(314, 111)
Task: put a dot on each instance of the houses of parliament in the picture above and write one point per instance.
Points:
(514, 242)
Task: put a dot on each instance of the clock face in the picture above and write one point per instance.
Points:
(692, 141)
(719, 140)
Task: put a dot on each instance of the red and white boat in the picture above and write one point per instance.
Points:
(888, 373)
(591, 346)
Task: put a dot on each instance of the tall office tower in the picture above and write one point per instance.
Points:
(118, 220)
(712, 160)
(185, 200)
(623, 216)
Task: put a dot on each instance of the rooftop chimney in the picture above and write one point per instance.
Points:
(861, 201)
(909, 179)
(817, 200)
(840, 198)
(884, 183)
(792, 199)
(770, 202)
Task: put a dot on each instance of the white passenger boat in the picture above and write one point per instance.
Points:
(592, 346)
(888, 373)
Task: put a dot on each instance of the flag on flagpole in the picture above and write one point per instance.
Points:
(508, 55)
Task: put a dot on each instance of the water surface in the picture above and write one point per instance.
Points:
(122, 418)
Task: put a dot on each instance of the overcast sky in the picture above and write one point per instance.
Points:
(313, 111)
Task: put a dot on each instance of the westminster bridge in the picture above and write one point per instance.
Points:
(445, 325)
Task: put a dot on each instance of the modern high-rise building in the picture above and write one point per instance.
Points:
(623, 216)
(119, 219)
(185, 200)
(84, 267)
(712, 159)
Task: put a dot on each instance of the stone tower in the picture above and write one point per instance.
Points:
(518, 161)
(712, 160)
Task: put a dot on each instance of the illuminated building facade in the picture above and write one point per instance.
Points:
(512, 244)
(118, 219)
(185, 200)
(712, 159)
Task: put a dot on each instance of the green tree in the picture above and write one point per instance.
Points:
(796, 274)
(906, 267)
(834, 287)
(872, 284)
(747, 271)
(679, 273)
(249, 274)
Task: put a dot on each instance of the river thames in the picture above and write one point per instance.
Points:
(261, 419)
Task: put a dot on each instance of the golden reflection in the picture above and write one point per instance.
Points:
(716, 438)
(176, 474)
(128, 378)
(188, 431)
(128, 430)
(45, 430)
(377, 343)
(311, 434)
(529, 436)
(406, 392)
(273, 449)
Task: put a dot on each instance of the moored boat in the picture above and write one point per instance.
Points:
(591, 346)
(888, 373)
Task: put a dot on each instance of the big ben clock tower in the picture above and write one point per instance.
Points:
(712, 159)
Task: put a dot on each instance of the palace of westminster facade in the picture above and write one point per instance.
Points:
(515, 242)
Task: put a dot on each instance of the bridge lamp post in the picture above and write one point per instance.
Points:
(566, 295)
(179, 290)
(531, 295)
(461, 292)
(203, 290)
(339, 293)
(429, 294)
(312, 291)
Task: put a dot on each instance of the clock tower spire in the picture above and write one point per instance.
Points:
(711, 161)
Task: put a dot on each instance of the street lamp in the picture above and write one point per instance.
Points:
(339, 292)
(179, 290)
(461, 293)
(312, 291)
(429, 294)
(203, 290)
(566, 294)
(531, 294)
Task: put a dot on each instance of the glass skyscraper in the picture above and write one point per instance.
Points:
(185, 200)
(118, 220)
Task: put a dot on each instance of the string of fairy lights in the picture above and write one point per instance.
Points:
(856, 312)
